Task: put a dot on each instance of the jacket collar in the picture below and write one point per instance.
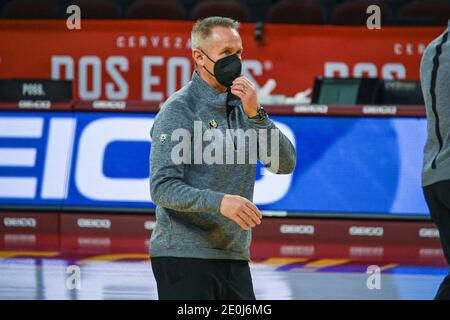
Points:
(204, 91)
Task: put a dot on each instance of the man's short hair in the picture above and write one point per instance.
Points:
(202, 28)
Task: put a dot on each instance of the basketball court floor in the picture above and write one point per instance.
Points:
(117, 266)
(44, 275)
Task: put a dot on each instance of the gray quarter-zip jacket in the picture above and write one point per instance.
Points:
(435, 81)
(188, 195)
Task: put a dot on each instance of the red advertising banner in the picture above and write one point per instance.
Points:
(149, 60)
(87, 233)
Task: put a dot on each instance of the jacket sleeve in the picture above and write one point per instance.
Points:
(167, 186)
(275, 150)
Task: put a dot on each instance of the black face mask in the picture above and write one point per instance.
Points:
(226, 69)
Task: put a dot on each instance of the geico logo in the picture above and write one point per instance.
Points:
(311, 109)
(89, 179)
(297, 250)
(84, 241)
(149, 225)
(431, 252)
(20, 238)
(366, 251)
(29, 104)
(20, 222)
(380, 110)
(361, 69)
(429, 233)
(94, 223)
(366, 231)
(298, 229)
(90, 70)
(109, 105)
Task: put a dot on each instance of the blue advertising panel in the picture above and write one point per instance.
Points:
(101, 160)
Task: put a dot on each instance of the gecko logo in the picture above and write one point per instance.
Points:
(94, 223)
(20, 222)
(77, 176)
(366, 231)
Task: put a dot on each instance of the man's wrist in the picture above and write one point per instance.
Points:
(253, 114)
(260, 114)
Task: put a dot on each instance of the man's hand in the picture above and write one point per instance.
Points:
(241, 211)
(246, 91)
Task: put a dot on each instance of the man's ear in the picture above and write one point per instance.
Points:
(198, 57)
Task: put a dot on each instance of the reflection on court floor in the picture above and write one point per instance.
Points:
(47, 275)
(50, 255)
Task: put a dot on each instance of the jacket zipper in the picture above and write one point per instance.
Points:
(229, 110)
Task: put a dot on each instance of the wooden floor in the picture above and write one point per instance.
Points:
(47, 275)
(54, 258)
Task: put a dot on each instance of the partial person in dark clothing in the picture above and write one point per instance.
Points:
(435, 80)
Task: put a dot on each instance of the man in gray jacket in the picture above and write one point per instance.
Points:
(435, 79)
(200, 244)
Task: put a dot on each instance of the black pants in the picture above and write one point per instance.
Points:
(437, 196)
(202, 279)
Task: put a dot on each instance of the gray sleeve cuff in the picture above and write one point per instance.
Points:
(260, 123)
(213, 200)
